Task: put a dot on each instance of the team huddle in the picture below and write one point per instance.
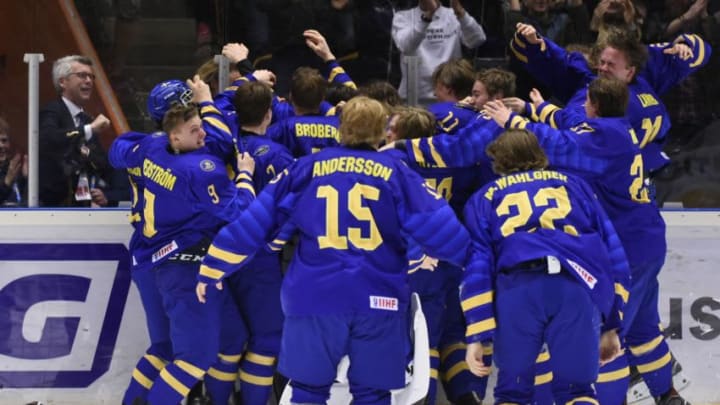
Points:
(528, 231)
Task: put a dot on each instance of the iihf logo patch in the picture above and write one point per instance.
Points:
(261, 150)
(207, 165)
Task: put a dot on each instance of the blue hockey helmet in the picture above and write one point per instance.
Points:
(166, 94)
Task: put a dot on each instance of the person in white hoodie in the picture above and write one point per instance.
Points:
(433, 33)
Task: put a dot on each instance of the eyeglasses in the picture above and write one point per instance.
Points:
(83, 75)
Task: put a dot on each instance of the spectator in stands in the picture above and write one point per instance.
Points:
(434, 34)
(289, 19)
(614, 13)
(562, 26)
(72, 161)
(692, 104)
(13, 170)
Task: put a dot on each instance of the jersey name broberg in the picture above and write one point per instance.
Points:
(317, 131)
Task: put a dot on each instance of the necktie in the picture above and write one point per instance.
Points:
(83, 118)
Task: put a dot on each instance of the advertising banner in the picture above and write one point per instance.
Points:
(72, 327)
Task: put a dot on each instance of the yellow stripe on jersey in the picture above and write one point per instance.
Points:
(647, 347)
(476, 301)
(543, 357)
(230, 358)
(586, 400)
(211, 273)
(455, 370)
(480, 327)
(209, 109)
(417, 153)
(253, 379)
(652, 366)
(260, 359)
(174, 383)
(613, 375)
(522, 58)
(224, 255)
(217, 124)
(156, 362)
(221, 375)
(246, 186)
(622, 292)
(190, 369)
(451, 348)
(435, 155)
(334, 72)
(543, 378)
(141, 379)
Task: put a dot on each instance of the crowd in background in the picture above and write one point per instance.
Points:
(366, 42)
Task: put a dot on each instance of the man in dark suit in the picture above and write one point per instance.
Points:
(72, 160)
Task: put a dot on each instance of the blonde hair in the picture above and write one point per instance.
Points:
(362, 122)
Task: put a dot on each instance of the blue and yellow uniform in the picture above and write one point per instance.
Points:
(346, 290)
(438, 290)
(160, 351)
(180, 190)
(605, 152)
(257, 289)
(466, 148)
(306, 134)
(545, 262)
(568, 74)
(451, 116)
(219, 142)
(281, 109)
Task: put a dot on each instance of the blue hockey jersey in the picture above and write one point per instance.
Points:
(604, 152)
(568, 74)
(535, 214)
(351, 208)
(306, 134)
(450, 116)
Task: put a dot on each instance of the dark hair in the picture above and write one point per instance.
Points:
(339, 92)
(252, 102)
(457, 75)
(609, 95)
(635, 52)
(307, 88)
(381, 91)
(4, 126)
(516, 150)
(178, 114)
(497, 81)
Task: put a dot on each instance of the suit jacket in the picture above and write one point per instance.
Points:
(61, 160)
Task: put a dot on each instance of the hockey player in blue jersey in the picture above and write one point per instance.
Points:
(163, 96)
(603, 149)
(648, 71)
(544, 266)
(438, 290)
(492, 84)
(346, 290)
(309, 130)
(187, 196)
(453, 82)
(257, 289)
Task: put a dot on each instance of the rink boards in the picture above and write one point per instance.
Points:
(72, 328)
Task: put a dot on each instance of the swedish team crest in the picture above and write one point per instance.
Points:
(207, 165)
(261, 150)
